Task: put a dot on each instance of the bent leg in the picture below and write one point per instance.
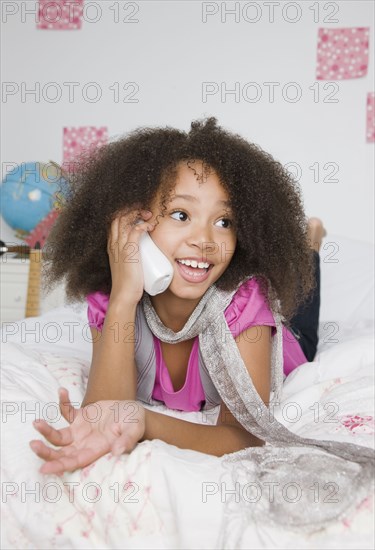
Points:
(305, 323)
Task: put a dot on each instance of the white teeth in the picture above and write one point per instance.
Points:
(194, 263)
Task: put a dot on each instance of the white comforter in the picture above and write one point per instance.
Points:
(160, 496)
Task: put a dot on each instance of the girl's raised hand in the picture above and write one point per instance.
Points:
(124, 255)
(95, 430)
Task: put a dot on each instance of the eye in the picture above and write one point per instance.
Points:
(178, 212)
(228, 222)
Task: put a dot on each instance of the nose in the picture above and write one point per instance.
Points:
(201, 238)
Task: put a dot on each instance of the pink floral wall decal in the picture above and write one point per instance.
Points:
(60, 14)
(81, 138)
(342, 53)
(370, 118)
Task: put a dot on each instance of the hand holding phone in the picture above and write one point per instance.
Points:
(136, 263)
(157, 269)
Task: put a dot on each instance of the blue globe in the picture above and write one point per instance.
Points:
(28, 193)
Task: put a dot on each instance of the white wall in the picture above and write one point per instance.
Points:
(169, 53)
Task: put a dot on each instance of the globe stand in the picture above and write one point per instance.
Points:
(33, 284)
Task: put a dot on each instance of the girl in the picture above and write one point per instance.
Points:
(230, 220)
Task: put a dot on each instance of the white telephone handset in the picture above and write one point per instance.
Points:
(157, 269)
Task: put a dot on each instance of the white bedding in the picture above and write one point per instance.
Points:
(173, 497)
(160, 496)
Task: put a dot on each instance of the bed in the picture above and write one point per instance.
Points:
(161, 496)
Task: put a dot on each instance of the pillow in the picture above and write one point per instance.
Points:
(347, 280)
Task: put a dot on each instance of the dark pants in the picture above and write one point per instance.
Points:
(305, 323)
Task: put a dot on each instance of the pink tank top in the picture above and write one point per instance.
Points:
(191, 396)
(248, 308)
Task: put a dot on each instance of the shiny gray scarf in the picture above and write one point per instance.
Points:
(317, 482)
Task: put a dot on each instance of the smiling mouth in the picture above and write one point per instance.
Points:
(193, 270)
(193, 274)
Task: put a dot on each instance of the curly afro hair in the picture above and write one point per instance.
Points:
(126, 174)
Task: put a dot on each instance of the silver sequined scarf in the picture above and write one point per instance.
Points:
(324, 480)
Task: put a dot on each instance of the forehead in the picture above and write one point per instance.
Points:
(198, 181)
(193, 178)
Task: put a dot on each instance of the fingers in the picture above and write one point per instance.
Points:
(67, 463)
(120, 445)
(135, 222)
(56, 437)
(62, 460)
(58, 467)
(51, 456)
(68, 411)
(64, 463)
(41, 449)
(122, 222)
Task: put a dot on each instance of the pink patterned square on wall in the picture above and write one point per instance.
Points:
(79, 139)
(342, 53)
(60, 15)
(370, 118)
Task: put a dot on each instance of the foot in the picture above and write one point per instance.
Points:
(315, 232)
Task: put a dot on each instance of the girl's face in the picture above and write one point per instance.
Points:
(197, 227)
